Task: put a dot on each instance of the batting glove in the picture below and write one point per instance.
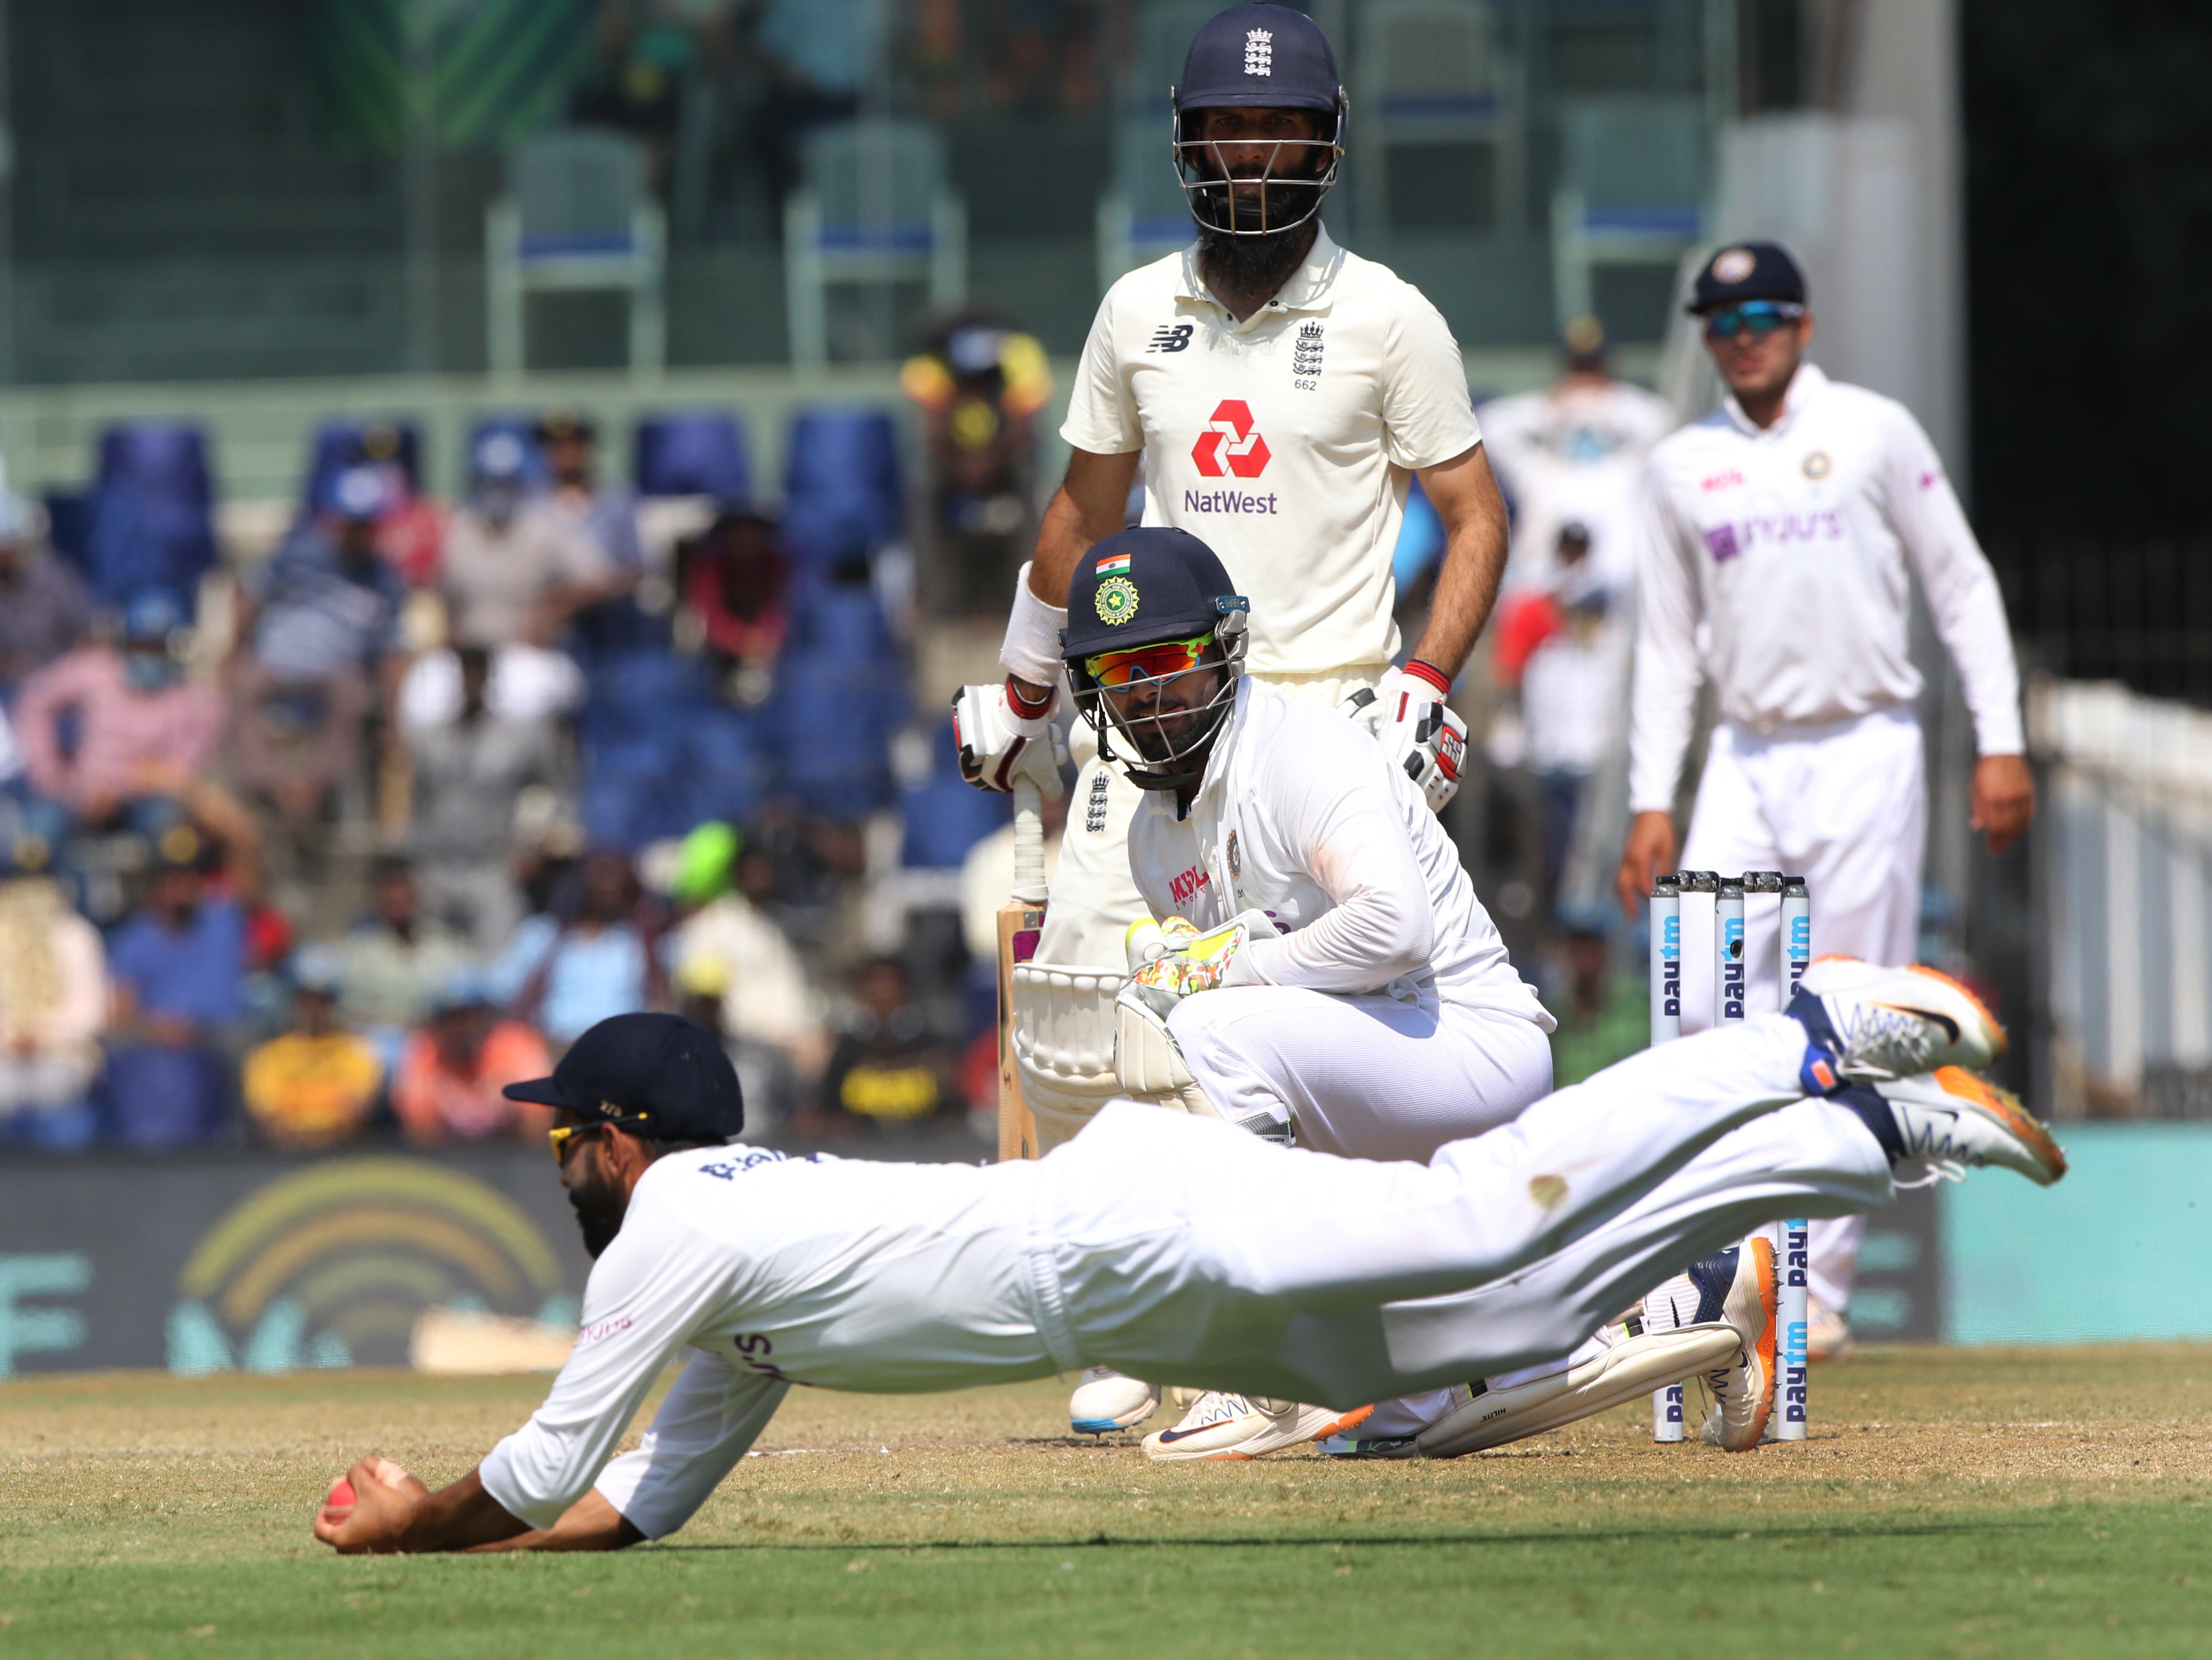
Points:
(1408, 714)
(1003, 738)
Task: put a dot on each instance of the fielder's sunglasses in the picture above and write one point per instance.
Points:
(1173, 657)
(1759, 318)
(561, 1135)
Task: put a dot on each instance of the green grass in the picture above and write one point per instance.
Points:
(1952, 1503)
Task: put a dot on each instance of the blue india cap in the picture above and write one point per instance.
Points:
(1140, 586)
(657, 1076)
(1748, 270)
(1258, 56)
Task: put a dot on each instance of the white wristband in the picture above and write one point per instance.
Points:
(1031, 650)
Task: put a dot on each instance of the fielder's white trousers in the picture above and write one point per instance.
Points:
(1365, 1077)
(1171, 1246)
(1844, 805)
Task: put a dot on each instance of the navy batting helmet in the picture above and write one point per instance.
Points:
(1258, 57)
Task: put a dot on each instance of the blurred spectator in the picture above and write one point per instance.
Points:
(179, 967)
(102, 727)
(1603, 1017)
(765, 1075)
(980, 385)
(319, 649)
(887, 1072)
(411, 529)
(514, 568)
(1568, 643)
(606, 515)
(596, 955)
(765, 998)
(467, 777)
(53, 1002)
(314, 1086)
(733, 583)
(447, 1089)
(394, 959)
(44, 609)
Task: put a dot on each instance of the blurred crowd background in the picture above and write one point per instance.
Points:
(501, 494)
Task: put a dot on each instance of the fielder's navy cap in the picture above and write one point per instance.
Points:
(656, 1075)
(1748, 270)
(1258, 57)
(1141, 586)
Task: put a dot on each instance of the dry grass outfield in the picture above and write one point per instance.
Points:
(1982, 1502)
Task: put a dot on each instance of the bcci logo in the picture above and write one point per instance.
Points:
(1116, 601)
(1230, 443)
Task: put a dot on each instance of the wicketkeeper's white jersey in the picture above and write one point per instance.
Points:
(1789, 544)
(1282, 442)
(1301, 815)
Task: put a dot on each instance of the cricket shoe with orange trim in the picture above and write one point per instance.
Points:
(1741, 1281)
(1225, 1425)
(1952, 1121)
(1107, 1400)
(1878, 1023)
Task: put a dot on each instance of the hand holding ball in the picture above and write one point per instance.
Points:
(338, 1504)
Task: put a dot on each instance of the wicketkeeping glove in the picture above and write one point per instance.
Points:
(1002, 739)
(1194, 961)
(1408, 714)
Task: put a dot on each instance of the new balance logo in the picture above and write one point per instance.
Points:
(1259, 51)
(1171, 337)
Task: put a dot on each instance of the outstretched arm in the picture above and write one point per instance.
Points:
(393, 1512)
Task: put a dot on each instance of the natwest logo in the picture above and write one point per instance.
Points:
(1230, 443)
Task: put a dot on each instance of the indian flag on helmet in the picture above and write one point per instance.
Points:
(1110, 565)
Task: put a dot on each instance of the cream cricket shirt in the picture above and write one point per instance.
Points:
(1282, 442)
(1301, 815)
(1789, 545)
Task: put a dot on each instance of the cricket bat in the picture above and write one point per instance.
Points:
(1019, 920)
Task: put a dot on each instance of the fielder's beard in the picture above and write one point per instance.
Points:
(600, 1204)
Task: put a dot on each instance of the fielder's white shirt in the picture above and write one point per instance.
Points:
(1789, 545)
(1282, 442)
(1301, 815)
(1574, 453)
(774, 1271)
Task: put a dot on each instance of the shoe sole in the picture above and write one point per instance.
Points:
(1302, 1428)
(1625, 1373)
(1737, 1311)
(2019, 1123)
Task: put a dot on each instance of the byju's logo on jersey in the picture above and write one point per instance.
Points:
(1171, 337)
(1231, 444)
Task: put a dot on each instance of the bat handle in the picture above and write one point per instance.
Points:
(1028, 844)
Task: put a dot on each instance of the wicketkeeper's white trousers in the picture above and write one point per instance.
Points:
(1844, 805)
(1367, 1077)
(1179, 1247)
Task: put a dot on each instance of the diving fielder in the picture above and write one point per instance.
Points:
(1154, 1242)
(1280, 392)
(1782, 525)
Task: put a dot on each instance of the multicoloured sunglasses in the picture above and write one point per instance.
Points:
(1156, 661)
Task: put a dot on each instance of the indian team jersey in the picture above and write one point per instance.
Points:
(1283, 441)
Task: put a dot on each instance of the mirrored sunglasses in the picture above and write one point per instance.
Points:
(1759, 318)
(1173, 657)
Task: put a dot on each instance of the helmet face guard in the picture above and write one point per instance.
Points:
(1292, 187)
(1171, 742)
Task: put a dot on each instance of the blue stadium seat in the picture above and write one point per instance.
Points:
(149, 518)
(661, 755)
(842, 494)
(945, 815)
(701, 454)
(840, 695)
(524, 429)
(338, 444)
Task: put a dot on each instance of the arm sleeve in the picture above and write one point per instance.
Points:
(1341, 822)
(1962, 589)
(1102, 414)
(1428, 416)
(715, 1411)
(1667, 667)
(645, 1298)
